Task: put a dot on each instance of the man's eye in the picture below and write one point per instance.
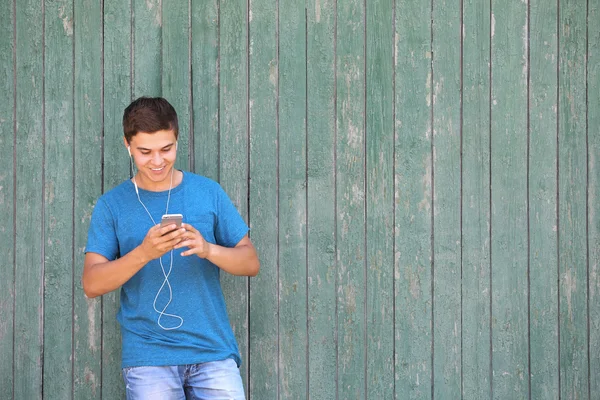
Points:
(145, 153)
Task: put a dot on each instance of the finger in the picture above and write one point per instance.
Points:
(189, 252)
(166, 229)
(190, 228)
(185, 243)
(176, 233)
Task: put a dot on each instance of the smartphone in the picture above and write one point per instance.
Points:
(169, 219)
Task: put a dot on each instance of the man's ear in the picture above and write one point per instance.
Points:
(126, 145)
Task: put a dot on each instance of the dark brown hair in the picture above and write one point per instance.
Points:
(149, 114)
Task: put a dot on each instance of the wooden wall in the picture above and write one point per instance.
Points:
(421, 177)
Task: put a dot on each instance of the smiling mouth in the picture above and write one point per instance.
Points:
(157, 169)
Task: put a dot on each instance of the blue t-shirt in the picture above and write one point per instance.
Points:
(120, 223)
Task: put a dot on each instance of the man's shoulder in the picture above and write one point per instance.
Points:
(201, 182)
(115, 195)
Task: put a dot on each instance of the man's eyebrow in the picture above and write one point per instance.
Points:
(146, 149)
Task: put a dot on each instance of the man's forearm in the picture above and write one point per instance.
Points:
(240, 260)
(103, 277)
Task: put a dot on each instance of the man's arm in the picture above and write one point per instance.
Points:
(101, 276)
(240, 260)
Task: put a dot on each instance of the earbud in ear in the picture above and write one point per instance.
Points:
(175, 145)
(129, 151)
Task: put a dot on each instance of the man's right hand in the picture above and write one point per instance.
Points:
(160, 240)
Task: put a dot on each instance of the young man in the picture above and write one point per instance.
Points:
(176, 338)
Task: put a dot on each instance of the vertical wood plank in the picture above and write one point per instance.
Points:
(542, 201)
(447, 328)
(205, 87)
(176, 72)
(58, 200)
(572, 201)
(147, 48)
(29, 201)
(292, 200)
(593, 134)
(321, 111)
(7, 184)
(509, 200)
(233, 168)
(263, 345)
(413, 197)
(88, 349)
(350, 198)
(380, 200)
(117, 96)
(476, 294)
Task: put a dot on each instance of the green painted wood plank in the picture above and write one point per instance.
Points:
(88, 349)
(117, 96)
(176, 78)
(233, 168)
(350, 199)
(380, 200)
(147, 48)
(509, 201)
(593, 134)
(7, 182)
(58, 200)
(322, 350)
(413, 191)
(29, 290)
(542, 202)
(447, 324)
(292, 208)
(476, 294)
(572, 201)
(263, 335)
(205, 87)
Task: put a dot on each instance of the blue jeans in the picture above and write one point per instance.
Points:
(216, 380)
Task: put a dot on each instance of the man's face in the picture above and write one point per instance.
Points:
(154, 155)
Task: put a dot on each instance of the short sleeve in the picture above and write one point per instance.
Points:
(102, 237)
(230, 227)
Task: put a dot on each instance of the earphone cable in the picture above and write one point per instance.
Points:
(166, 275)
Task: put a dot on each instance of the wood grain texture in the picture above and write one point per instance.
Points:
(7, 188)
(264, 289)
(543, 201)
(413, 201)
(593, 198)
(58, 200)
(321, 236)
(293, 335)
(446, 84)
(328, 123)
(350, 199)
(380, 200)
(88, 350)
(117, 95)
(205, 87)
(176, 79)
(29, 268)
(476, 295)
(509, 201)
(233, 148)
(572, 201)
(147, 48)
